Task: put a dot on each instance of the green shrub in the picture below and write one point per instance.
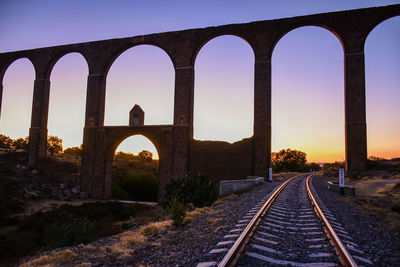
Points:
(136, 186)
(68, 230)
(199, 191)
(118, 193)
(177, 212)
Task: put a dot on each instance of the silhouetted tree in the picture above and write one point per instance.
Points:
(314, 166)
(5, 142)
(54, 144)
(145, 155)
(21, 143)
(289, 160)
(75, 151)
(336, 165)
(124, 156)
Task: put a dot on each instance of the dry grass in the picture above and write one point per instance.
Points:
(61, 257)
(125, 256)
(214, 221)
(216, 230)
(191, 215)
(90, 247)
(129, 239)
(155, 227)
(224, 199)
(133, 238)
(156, 244)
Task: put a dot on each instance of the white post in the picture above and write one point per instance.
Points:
(270, 175)
(341, 181)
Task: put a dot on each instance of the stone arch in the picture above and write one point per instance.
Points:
(3, 69)
(215, 35)
(5, 66)
(382, 84)
(28, 97)
(298, 90)
(166, 75)
(60, 54)
(113, 136)
(116, 54)
(293, 28)
(379, 21)
(246, 103)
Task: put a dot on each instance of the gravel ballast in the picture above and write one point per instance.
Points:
(380, 244)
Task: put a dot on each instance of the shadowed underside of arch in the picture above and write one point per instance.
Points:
(175, 142)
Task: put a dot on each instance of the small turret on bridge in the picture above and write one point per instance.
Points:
(136, 116)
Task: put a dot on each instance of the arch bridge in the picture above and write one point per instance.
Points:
(179, 153)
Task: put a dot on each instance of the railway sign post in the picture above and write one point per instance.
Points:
(341, 181)
(270, 175)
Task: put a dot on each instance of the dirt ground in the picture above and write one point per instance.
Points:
(378, 194)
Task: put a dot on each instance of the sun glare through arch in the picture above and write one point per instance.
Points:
(16, 107)
(308, 94)
(224, 90)
(68, 99)
(382, 65)
(137, 143)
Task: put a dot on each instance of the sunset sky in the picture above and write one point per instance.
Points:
(307, 72)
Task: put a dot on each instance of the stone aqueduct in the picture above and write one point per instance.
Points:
(179, 153)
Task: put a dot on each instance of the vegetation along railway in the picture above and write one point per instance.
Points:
(290, 228)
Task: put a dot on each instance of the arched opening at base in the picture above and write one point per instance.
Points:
(135, 170)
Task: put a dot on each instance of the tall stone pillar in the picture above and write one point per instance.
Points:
(38, 130)
(355, 118)
(183, 119)
(94, 159)
(95, 100)
(262, 117)
(184, 96)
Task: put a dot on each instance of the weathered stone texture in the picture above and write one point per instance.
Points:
(221, 160)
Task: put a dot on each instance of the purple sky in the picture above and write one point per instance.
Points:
(307, 77)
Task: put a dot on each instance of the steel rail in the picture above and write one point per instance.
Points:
(340, 247)
(233, 254)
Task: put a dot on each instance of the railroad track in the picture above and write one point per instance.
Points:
(290, 229)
